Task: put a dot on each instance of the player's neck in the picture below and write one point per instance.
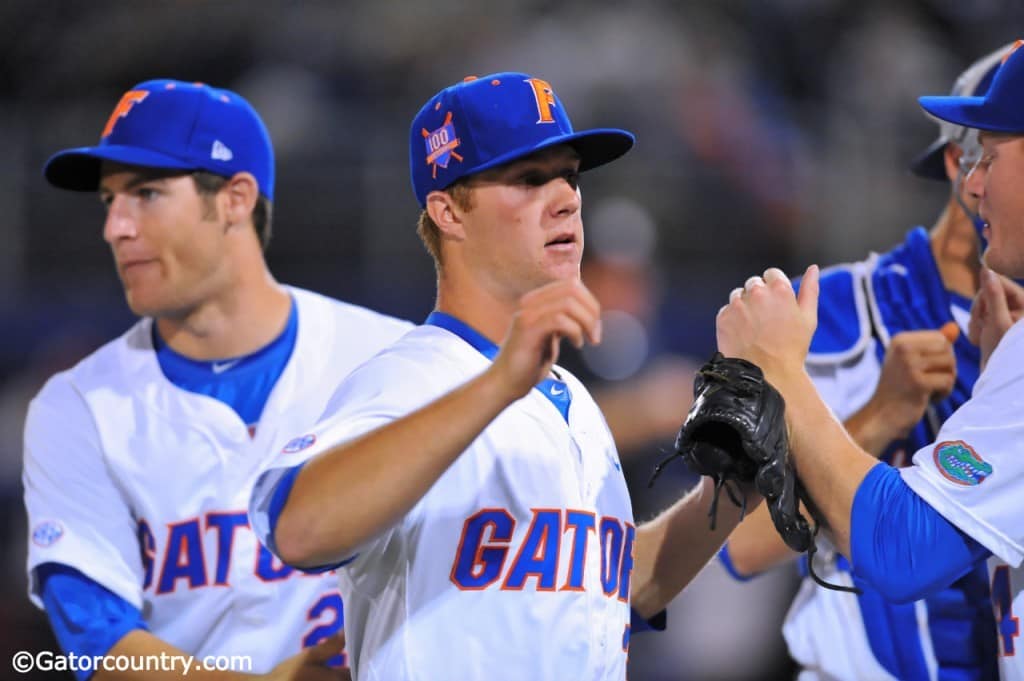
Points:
(954, 243)
(240, 320)
(487, 314)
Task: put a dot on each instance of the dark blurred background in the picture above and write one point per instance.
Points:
(770, 132)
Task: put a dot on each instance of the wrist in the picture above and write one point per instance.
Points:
(493, 387)
(878, 423)
(790, 380)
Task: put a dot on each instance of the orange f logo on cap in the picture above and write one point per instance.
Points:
(130, 99)
(545, 97)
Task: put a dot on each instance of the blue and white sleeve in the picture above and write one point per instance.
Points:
(902, 546)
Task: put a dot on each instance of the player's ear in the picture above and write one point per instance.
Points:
(446, 214)
(239, 197)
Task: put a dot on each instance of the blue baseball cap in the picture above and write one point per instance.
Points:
(1001, 109)
(174, 125)
(485, 122)
(973, 82)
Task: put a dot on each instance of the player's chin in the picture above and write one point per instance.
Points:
(145, 302)
(562, 271)
(995, 258)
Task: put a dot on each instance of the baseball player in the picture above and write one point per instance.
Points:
(957, 505)
(466, 487)
(880, 362)
(140, 459)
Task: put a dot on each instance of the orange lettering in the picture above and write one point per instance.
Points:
(545, 97)
(130, 99)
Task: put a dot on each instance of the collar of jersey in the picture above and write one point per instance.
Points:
(182, 369)
(556, 392)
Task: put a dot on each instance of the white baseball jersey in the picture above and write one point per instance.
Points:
(974, 476)
(516, 563)
(143, 487)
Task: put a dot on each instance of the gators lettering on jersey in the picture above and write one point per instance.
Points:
(143, 487)
(516, 562)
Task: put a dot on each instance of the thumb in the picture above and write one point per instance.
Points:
(807, 297)
(951, 331)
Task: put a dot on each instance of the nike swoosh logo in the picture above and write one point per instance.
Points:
(221, 367)
(556, 391)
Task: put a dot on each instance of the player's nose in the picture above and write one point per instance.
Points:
(566, 198)
(120, 222)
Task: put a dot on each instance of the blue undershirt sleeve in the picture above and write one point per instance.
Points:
(86, 617)
(278, 498)
(638, 625)
(726, 560)
(902, 546)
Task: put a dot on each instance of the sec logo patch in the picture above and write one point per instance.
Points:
(47, 533)
(960, 464)
(299, 443)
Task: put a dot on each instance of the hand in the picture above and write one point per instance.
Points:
(561, 309)
(999, 303)
(919, 367)
(765, 323)
(311, 663)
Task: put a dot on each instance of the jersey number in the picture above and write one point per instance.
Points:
(331, 605)
(1002, 601)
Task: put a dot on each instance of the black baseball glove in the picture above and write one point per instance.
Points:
(736, 434)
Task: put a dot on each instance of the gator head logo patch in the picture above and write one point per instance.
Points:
(960, 464)
(441, 145)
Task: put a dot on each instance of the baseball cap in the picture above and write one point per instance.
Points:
(973, 82)
(175, 125)
(485, 122)
(1001, 109)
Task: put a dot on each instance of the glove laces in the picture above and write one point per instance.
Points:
(739, 498)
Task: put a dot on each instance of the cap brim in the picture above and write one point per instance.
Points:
(595, 147)
(931, 163)
(599, 146)
(79, 169)
(971, 112)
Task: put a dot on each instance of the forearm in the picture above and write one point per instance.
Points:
(872, 428)
(139, 645)
(354, 491)
(755, 545)
(671, 549)
(829, 463)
